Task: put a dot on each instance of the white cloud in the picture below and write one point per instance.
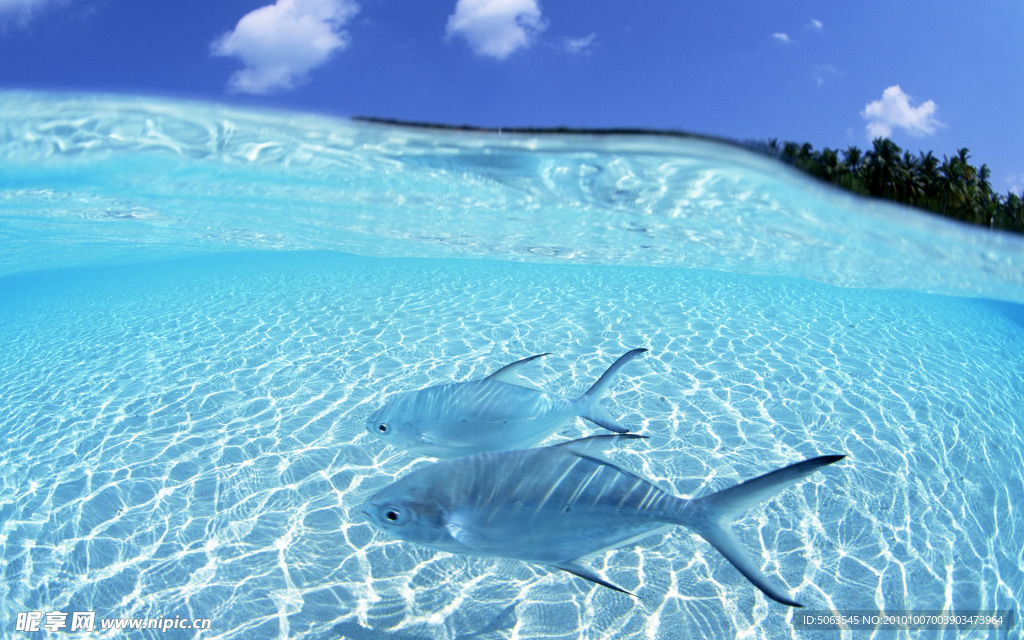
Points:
(782, 38)
(282, 42)
(1016, 184)
(815, 25)
(496, 28)
(823, 72)
(15, 6)
(19, 11)
(580, 45)
(894, 111)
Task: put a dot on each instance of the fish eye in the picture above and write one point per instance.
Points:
(393, 515)
(384, 428)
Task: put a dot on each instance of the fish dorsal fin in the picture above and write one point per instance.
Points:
(593, 447)
(508, 374)
(588, 574)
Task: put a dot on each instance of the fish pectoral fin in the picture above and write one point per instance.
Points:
(462, 534)
(426, 438)
(509, 375)
(459, 532)
(587, 574)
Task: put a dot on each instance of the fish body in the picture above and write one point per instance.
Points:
(498, 412)
(562, 505)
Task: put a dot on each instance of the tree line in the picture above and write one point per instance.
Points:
(952, 186)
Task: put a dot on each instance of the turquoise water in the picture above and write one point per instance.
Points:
(201, 304)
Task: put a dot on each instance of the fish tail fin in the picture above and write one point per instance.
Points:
(712, 517)
(590, 409)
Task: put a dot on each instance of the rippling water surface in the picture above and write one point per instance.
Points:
(201, 304)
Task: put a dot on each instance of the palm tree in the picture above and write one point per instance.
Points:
(829, 165)
(963, 156)
(882, 163)
(847, 173)
(910, 184)
(852, 158)
(952, 187)
(1011, 213)
(928, 169)
(984, 173)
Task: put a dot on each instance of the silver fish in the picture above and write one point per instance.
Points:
(492, 414)
(562, 505)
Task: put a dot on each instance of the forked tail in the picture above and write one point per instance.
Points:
(589, 402)
(712, 517)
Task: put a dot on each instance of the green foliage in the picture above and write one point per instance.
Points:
(952, 187)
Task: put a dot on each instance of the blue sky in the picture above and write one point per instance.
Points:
(931, 75)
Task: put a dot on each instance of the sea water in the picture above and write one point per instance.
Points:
(200, 304)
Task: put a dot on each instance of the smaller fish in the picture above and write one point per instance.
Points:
(499, 412)
(562, 505)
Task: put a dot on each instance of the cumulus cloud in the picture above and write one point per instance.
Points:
(815, 25)
(580, 45)
(279, 44)
(782, 38)
(496, 28)
(894, 111)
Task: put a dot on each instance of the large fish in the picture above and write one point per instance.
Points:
(496, 413)
(562, 505)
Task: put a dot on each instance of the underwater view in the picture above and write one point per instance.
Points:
(207, 311)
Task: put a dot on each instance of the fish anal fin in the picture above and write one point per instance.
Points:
(587, 574)
(509, 374)
(597, 444)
